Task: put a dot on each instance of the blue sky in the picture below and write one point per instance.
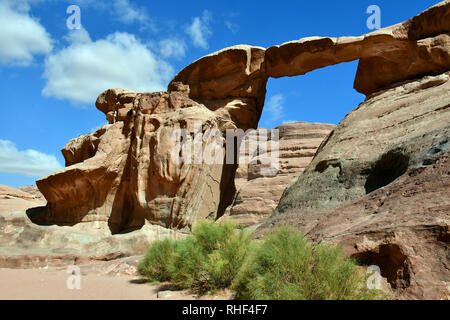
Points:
(50, 76)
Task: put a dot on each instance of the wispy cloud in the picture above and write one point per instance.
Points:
(21, 36)
(85, 68)
(127, 12)
(30, 163)
(234, 28)
(172, 48)
(199, 30)
(275, 107)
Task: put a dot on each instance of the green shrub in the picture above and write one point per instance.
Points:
(287, 267)
(207, 260)
(282, 266)
(155, 264)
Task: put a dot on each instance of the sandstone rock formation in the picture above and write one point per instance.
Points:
(123, 172)
(257, 196)
(127, 173)
(414, 48)
(403, 228)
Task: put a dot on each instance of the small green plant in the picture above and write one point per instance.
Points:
(155, 263)
(287, 267)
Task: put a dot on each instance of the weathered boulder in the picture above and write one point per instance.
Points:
(257, 196)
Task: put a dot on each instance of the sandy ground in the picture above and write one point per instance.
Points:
(38, 284)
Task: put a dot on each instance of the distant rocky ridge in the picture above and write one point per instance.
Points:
(34, 191)
(12, 199)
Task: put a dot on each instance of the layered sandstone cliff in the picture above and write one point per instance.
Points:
(257, 196)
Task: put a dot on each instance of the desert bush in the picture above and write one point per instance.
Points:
(282, 266)
(285, 266)
(155, 263)
(207, 260)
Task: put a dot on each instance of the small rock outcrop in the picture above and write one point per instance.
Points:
(25, 244)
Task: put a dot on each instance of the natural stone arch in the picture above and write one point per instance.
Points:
(121, 174)
(238, 75)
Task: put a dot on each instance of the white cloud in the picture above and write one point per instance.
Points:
(172, 48)
(84, 69)
(275, 107)
(199, 30)
(232, 27)
(21, 36)
(29, 162)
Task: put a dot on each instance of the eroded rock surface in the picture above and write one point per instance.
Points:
(127, 172)
(379, 187)
(34, 191)
(23, 244)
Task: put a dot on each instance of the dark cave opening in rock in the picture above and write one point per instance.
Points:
(385, 170)
(394, 265)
